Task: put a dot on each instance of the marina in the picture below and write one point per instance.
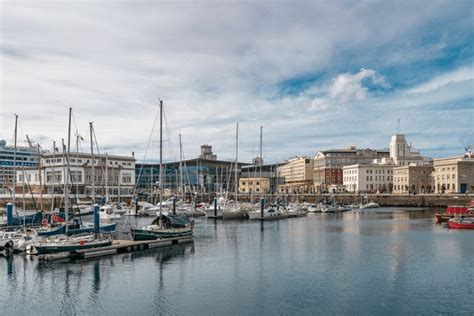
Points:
(321, 263)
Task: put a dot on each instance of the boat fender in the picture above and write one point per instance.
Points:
(44, 222)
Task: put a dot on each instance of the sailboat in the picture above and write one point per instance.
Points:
(235, 212)
(164, 226)
(62, 243)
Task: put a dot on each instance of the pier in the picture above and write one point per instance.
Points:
(118, 246)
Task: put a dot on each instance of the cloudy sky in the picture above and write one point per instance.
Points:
(316, 75)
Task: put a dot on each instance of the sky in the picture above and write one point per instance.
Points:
(316, 75)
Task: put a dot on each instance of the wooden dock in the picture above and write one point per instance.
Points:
(118, 246)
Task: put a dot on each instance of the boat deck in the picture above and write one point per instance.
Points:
(118, 246)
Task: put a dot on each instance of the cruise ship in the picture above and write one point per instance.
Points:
(25, 157)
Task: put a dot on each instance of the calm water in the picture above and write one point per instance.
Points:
(360, 262)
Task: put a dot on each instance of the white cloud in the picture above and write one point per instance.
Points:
(458, 75)
(213, 64)
(319, 104)
(347, 87)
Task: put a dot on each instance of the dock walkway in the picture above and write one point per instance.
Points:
(118, 246)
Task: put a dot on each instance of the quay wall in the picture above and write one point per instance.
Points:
(418, 200)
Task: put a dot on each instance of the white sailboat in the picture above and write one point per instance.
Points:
(235, 211)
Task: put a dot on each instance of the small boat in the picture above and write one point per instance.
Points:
(107, 212)
(461, 223)
(165, 226)
(297, 211)
(455, 210)
(369, 205)
(66, 244)
(313, 208)
(21, 238)
(273, 212)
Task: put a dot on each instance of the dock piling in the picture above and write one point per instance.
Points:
(10, 214)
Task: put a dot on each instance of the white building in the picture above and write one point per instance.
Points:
(377, 177)
(403, 154)
(114, 173)
(454, 174)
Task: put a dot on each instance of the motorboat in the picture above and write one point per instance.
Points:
(461, 223)
(453, 211)
(369, 205)
(273, 212)
(21, 238)
(107, 212)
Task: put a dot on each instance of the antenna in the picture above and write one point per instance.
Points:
(398, 126)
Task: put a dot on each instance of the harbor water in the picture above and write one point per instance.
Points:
(385, 260)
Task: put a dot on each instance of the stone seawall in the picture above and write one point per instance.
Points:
(422, 200)
(419, 200)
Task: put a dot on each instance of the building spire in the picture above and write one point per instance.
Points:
(398, 126)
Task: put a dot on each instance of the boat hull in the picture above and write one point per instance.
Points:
(460, 225)
(144, 234)
(40, 250)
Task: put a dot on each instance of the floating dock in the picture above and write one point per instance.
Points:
(118, 246)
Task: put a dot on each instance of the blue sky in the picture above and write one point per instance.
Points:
(316, 75)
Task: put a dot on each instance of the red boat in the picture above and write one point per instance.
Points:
(463, 223)
(455, 211)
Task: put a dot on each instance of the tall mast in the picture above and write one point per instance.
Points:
(236, 159)
(181, 188)
(77, 159)
(92, 165)
(64, 183)
(14, 162)
(54, 176)
(261, 132)
(106, 178)
(39, 177)
(66, 180)
(161, 152)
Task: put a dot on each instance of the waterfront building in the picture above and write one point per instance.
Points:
(328, 164)
(298, 174)
(413, 179)
(270, 171)
(203, 175)
(369, 178)
(254, 185)
(26, 157)
(403, 154)
(116, 173)
(454, 174)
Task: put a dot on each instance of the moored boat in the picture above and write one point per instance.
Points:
(461, 223)
(64, 244)
(165, 226)
(453, 211)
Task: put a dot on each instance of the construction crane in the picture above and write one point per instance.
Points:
(30, 143)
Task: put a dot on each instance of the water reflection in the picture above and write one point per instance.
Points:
(359, 262)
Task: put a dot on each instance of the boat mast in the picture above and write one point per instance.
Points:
(92, 165)
(14, 163)
(161, 155)
(40, 180)
(77, 159)
(236, 163)
(106, 179)
(261, 149)
(64, 183)
(54, 176)
(181, 188)
(66, 180)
